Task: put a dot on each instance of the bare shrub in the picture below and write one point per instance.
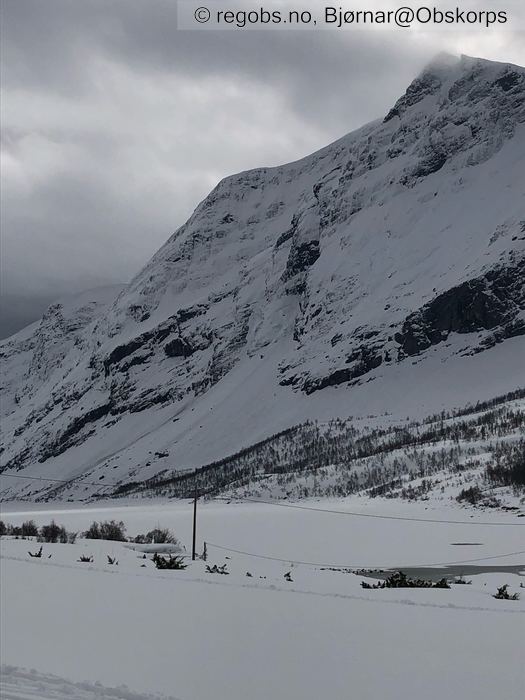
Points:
(471, 495)
(157, 536)
(51, 532)
(29, 529)
(400, 580)
(107, 530)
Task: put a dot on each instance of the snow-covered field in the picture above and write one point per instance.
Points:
(195, 635)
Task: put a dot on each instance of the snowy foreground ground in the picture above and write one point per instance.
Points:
(82, 631)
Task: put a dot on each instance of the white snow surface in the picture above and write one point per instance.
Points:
(93, 392)
(196, 635)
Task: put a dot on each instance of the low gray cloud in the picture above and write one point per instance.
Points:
(116, 124)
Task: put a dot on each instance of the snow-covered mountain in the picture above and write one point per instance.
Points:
(381, 277)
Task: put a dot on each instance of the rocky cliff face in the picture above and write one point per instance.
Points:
(490, 302)
(401, 240)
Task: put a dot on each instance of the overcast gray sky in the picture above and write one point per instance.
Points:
(115, 124)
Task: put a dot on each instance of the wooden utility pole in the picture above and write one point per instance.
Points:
(193, 554)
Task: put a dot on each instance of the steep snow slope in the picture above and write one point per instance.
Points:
(32, 356)
(384, 273)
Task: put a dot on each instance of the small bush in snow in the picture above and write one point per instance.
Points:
(11, 530)
(93, 532)
(400, 580)
(71, 537)
(107, 530)
(157, 536)
(51, 532)
(503, 594)
(47, 533)
(508, 466)
(29, 529)
(471, 495)
(217, 569)
(85, 560)
(169, 562)
(56, 533)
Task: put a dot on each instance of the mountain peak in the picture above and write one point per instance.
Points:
(446, 62)
(383, 273)
(443, 59)
(447, 76)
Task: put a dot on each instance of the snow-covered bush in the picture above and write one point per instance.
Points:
(503, 594)
(400, 580)
(215, 569)
(169, 562)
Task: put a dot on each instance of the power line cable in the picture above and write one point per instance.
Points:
(77, 479)
(353, 566)
(278, 503)
(59, 481)
(372, 515)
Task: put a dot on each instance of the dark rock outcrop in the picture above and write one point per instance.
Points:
(509, 81)
(179, 347)
(70, 436)
(362, 360)
(302, 257)
(484, 303)
(426, 84)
